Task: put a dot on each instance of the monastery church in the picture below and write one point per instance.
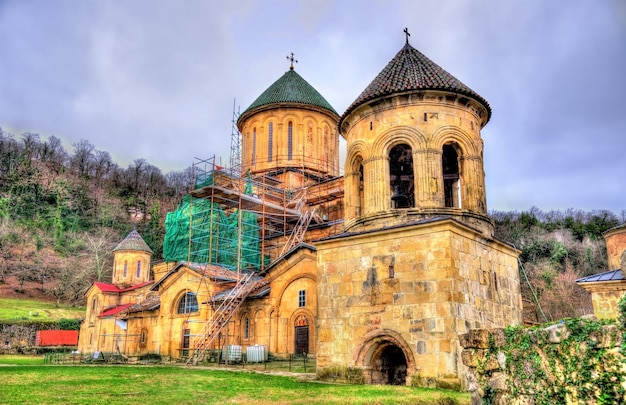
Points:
(378, 270)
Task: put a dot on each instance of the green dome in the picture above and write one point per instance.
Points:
(290, 89)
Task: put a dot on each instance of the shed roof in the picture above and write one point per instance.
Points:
(613, 275)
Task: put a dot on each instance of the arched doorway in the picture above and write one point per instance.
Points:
(386, 358)
(301, 335)
(389, 365)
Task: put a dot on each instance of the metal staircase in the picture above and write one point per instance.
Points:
(299, 230)
(222, 315)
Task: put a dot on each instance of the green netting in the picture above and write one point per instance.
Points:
(215, 237)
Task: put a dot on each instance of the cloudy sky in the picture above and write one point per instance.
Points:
(158, 79)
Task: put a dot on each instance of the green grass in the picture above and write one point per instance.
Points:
(33, 384)
(22, 360)
(32, 310)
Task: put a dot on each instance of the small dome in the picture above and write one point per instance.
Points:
(291, 88)
(410, 71)
(135, 242)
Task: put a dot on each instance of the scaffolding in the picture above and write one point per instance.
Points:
(243, 223)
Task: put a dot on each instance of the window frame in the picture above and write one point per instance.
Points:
(301, 298)
(186, 305)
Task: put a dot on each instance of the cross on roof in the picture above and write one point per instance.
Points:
(292, 59)
(406, 31)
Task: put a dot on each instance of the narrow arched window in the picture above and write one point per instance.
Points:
(325, 151)
(358, 171)
(270, 142)
(451, 177)
(188, 304)
(125, 267)
(254, 146)
(290, 140)
(93, 304)
(401, 178)
(246, 328)
(139, 269)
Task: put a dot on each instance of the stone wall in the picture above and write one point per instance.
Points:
(397, 299)
(19, 337)
(576, 361)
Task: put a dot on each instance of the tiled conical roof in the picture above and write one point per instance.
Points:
(133, 241)
(291, 88)
(410, 70)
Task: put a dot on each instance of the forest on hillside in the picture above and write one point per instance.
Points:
(62, 213)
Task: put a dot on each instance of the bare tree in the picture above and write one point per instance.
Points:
(82, 160)
(100, 258)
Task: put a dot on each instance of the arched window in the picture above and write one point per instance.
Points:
(290, 140)
(270, 142)
(125, 267)
(246, 328)
(139, 269)
(357, 170)
(188, 304)
(451, 177)
(401, 179)
(254, 146)
(93, 304)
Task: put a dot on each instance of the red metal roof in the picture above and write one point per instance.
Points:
(111, 288)
(104, 287)
(56, 338)
(115, 310)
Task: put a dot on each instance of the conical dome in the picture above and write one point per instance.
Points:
(292, 89)
(410, 71)
(135, 242)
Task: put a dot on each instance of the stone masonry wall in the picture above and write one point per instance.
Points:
(576, 361)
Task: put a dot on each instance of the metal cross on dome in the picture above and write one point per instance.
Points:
(406, 31)
(293, 60)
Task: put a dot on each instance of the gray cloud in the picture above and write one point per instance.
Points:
(156, 80)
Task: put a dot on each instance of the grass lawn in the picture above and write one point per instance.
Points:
(33, 310)
(24, 382)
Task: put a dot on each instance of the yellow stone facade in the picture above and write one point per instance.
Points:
(425, 124)
(608, 288)
(401, 261)
(314, 143)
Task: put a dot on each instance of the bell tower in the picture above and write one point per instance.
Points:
(417, 263)
(414, 149)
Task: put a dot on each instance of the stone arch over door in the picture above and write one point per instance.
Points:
(301, 335)
(386, 358)
(301, 326)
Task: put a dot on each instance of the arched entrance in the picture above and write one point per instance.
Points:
(389, 366)
(386, 359)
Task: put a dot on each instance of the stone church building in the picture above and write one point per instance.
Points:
(377, 270)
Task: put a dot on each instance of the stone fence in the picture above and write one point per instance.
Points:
(576, 361)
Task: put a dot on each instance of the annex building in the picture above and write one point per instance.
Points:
(378, 270)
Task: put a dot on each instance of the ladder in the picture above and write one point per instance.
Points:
(299, 230)
(221, 316)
